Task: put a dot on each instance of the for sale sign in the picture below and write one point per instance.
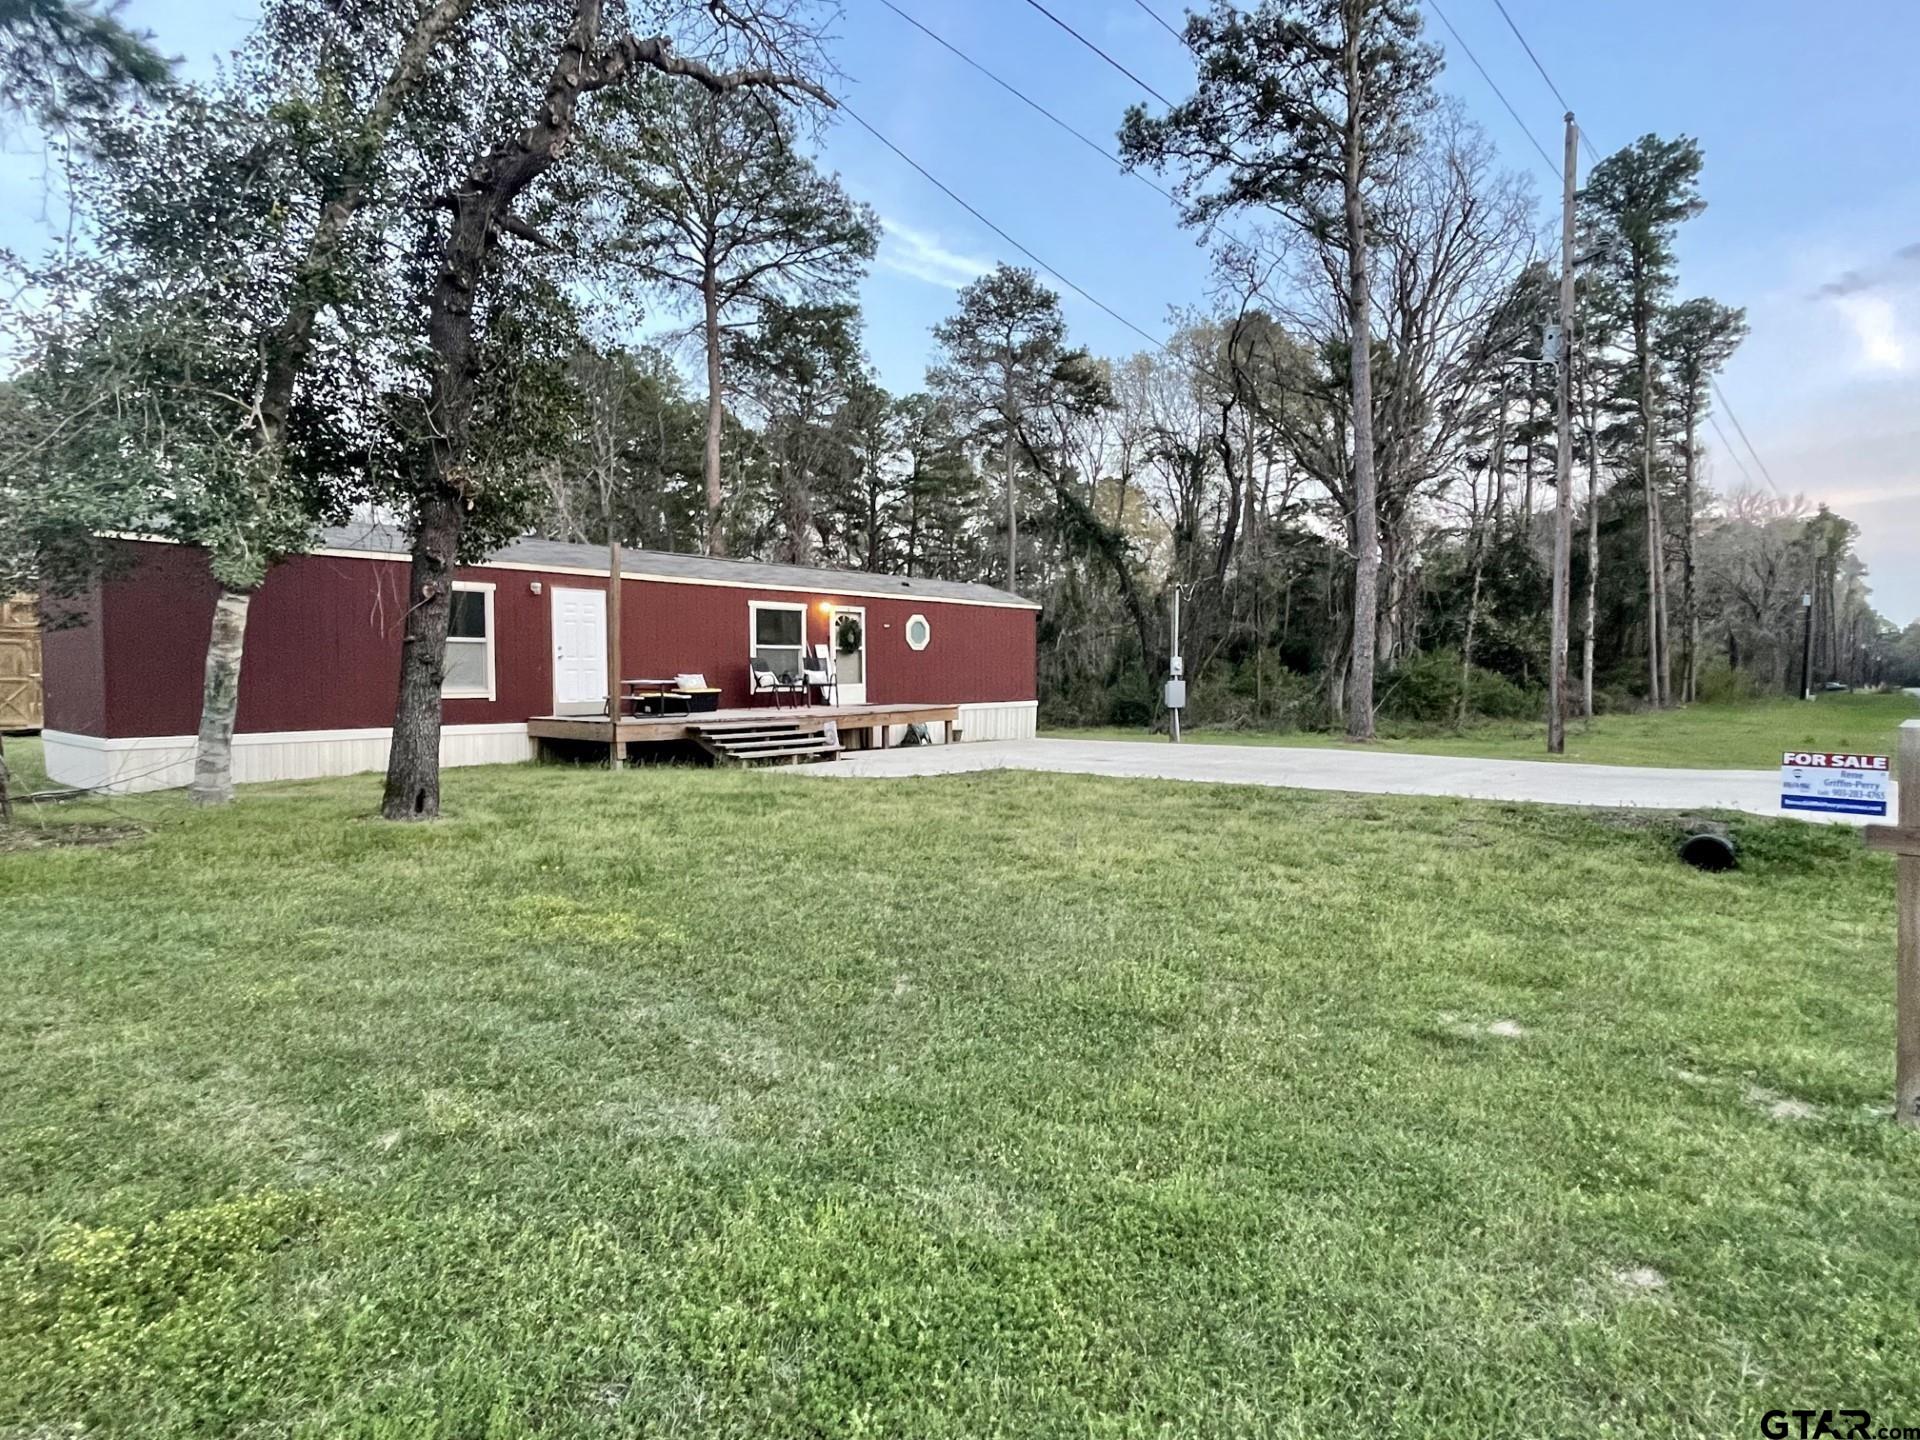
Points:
(1841, 784)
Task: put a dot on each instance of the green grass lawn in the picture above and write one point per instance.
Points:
(1716, 737)
(23, 763)
(687, 1102)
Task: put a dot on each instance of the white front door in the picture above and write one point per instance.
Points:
(579, 651)
(849, 666)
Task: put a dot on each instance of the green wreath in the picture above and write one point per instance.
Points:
(846, 634)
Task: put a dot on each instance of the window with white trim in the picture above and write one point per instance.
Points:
(470, 669)
(778, 635)
(919, 632)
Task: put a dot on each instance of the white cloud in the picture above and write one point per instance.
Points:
(916, 253)
(1877, 330)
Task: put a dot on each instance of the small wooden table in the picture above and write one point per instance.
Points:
(632, 692)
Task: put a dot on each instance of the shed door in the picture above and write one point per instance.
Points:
(579, 651)
(19, 663)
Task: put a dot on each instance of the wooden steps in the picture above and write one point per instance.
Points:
(768, 741)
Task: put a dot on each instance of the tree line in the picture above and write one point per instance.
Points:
(392, 257)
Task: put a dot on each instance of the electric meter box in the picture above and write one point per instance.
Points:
(1176, 694)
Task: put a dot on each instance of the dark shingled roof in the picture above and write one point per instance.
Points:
(374, 539)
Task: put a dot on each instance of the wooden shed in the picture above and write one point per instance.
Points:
(20, 707)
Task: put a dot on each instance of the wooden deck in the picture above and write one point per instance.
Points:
(861, 727)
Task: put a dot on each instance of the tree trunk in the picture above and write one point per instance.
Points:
(1665, 617)
(286, 350)
(1392, 591)
(6, 786)
(220, 701)
(1366, 519)
(1500, 460)
(1338, 662)
(1593, 572)
(1473, 619)
(413, 764)
(1656, 560)
(1526, 494)
(1689, 600)
(716, 415)
(1006, 462)
(913, 529)
(482, 203)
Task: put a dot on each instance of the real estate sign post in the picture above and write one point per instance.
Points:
(1904, 841)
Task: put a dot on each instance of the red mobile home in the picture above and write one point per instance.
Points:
(123, 673)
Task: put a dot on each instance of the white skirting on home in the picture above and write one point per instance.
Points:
(998, 720)
(160, 762)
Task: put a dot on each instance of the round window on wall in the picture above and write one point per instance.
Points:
(918, 632)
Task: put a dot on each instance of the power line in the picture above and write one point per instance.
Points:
(1028, 100)
(1553, 166)
(1084, 139)
(1498, 5)
(1501, 6)
(1732, 453)
(1161, 21)
(1725, 404)
(952, 195)
(1199, 371)
(1741, 431)
(1101, 53)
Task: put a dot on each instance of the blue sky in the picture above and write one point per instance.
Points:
(1813, 218)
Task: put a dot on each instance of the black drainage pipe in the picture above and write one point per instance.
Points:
(1710, 850)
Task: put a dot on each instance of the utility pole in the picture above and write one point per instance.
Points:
(1806, 645)
(1563, 460)
(1176, 670)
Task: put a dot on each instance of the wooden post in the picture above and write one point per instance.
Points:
(1904, 841)
(613, 654)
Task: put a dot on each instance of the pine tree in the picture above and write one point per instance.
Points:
(1696, 338)
(1632, 208)
(1301, 107)
(998, 352)
(723, 213)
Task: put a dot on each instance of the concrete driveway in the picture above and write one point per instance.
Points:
(1373, 772)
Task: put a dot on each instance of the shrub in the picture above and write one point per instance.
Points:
(1231, 697)
(1130, 702)
(1721, 684)
(1425, 689)
(1608, 700)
